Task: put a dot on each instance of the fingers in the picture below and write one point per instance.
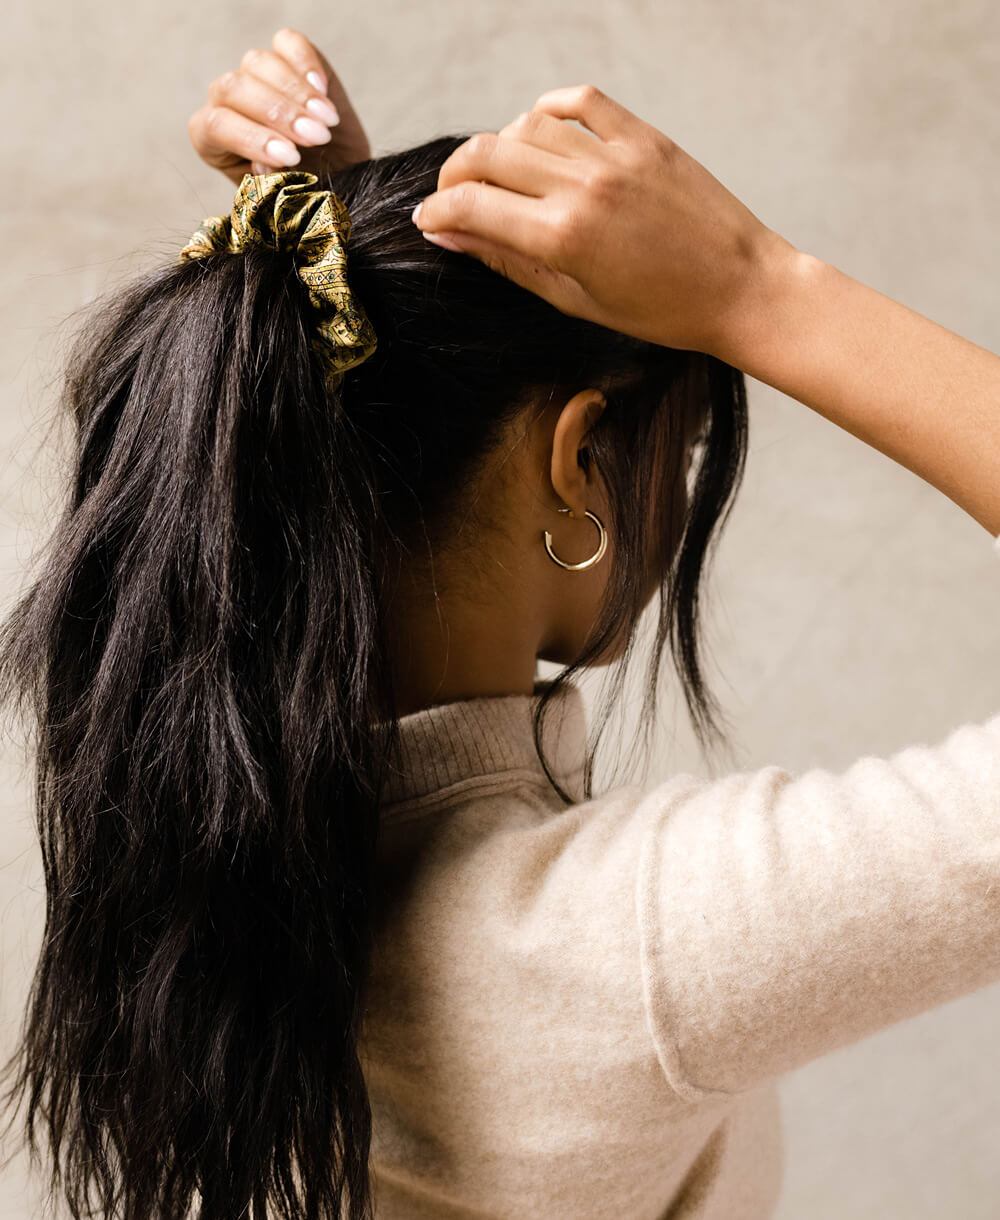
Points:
(490, 215)
(504, 161)
(545, 131)
(222, 134)
(266, 113)
(278, 98)
(310, 62)
(306, 59)
(269, 68)
(602, 115)
(507, 188)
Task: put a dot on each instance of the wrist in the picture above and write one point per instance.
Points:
(772, 287)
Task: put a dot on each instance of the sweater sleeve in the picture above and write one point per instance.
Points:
(783, 916)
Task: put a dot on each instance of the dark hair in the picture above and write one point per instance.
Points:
(203, 656)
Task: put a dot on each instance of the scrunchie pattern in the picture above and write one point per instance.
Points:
(282, 212)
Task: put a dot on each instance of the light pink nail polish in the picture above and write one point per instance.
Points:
(323, 110)
(311, 130)
(316, 81)
(282, 152)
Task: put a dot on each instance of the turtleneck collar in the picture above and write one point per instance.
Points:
(450, 742)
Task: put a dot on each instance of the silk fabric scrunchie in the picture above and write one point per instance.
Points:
(283, 212)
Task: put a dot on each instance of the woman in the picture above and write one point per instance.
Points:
(336, 924)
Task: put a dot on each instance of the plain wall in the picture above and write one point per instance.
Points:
(853, 609)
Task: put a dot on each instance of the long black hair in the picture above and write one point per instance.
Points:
(203, 657)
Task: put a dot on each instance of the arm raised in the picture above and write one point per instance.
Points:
(917, 392)
(614, 222)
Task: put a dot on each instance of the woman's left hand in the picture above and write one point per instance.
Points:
(261, 101)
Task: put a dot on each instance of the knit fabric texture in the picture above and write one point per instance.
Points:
(581, 1012)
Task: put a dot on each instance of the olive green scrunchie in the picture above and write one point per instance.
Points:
(282, 212)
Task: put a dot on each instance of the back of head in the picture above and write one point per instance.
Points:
(203, 654)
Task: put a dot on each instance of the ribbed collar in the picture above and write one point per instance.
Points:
(450, 742)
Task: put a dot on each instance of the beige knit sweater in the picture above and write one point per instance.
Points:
(579, 1013)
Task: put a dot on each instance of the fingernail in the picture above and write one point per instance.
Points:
(311, 130)
(282, 152)
(316, 81)
(441, 239)
(415, 214)
(324, 110)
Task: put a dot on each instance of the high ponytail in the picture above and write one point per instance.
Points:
(202, 653)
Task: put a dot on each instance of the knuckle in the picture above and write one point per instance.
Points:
(601, 182)
(295, 49)
(251, 57)
(294, 89)
(453, 207)
(463, 198)
(528, 122)
(278, 113)
(588, 93)
(213, 119)
(467, 160)
(481, 144)
(224, 86)
(563, 231)
(633, 158)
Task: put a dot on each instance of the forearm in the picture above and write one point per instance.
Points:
(917, 392)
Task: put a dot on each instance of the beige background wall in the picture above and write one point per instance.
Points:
(854, 609)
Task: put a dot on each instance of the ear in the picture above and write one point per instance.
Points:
(571, 473)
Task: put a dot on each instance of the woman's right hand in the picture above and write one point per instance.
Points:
(625, 229)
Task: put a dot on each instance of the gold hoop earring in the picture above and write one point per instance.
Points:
(587, 563)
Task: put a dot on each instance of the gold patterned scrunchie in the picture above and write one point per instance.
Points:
(282, 212)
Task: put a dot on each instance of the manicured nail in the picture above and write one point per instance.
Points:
(316, 81)
(415, 214)
(324, 110)
(311, 130)
(282, 152)
(442, 239)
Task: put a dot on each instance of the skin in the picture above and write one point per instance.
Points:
(264, 99)
(623, 228)
(613, 222)
(480, 627)
(476, 621)
(481, 630)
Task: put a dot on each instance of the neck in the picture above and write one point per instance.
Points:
(443, 649)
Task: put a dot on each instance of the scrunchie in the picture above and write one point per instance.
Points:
(282, 212)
